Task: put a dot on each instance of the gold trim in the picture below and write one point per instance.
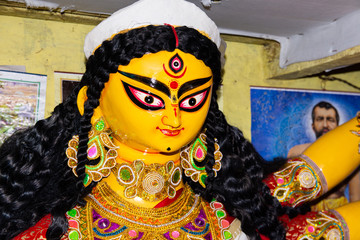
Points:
(319, 173)
(106, 202)
(152, 183)
(151, 223)
(343, 224)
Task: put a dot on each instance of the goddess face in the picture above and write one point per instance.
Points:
(159, 102)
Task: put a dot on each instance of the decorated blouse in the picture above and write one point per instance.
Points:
(107, 216)
(188, 216)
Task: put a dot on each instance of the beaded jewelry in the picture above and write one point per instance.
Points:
(299, 181)
(324, 225)
(150, 182)
(106, 216)
(193, 159)
(100, 146)
(220, 213)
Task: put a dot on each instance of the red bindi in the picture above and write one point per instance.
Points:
(174, 85)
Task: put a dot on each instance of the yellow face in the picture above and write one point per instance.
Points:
(158, 103)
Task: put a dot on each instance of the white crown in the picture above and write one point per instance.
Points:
(152, 12)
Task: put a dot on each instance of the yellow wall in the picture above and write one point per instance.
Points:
(246, 66)
(45, 46)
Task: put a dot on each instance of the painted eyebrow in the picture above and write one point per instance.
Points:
(151, 82)
(192, 84)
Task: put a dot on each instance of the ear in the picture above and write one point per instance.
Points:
(81, 98)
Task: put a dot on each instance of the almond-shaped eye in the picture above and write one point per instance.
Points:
(144, 99)
(195, 101)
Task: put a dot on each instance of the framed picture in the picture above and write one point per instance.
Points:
(65, 82)
(22, 101)
(285, 121)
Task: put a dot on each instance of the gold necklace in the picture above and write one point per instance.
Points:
(152, 183)
(108, 216)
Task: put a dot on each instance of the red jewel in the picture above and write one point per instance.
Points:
(174, 85)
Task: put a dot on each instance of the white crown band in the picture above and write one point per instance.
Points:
(152, 12)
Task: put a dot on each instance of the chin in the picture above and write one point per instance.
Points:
(170, 149)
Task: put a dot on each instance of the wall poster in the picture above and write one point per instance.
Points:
(282, 119)
(22, 101)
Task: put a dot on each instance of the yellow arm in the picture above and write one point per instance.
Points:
(337, 152)
(350, 214)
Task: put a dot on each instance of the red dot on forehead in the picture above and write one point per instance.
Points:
(174, 85)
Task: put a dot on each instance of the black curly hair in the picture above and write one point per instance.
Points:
(35, 179)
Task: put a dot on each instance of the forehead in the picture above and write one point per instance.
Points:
(171, 68)
(324, 112)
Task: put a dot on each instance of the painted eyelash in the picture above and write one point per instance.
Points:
(131, 92)
(197, 105)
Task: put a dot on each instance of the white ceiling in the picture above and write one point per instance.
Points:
(306, 29)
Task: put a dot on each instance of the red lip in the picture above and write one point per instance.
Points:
(170, 133)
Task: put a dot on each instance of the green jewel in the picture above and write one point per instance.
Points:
(125, 174)
(100, 125)
(202, 178)
(176, 176)
(170, 166)
(86, 179)
(220, 213)
(72, 213)
(74, 235)
(227, 235)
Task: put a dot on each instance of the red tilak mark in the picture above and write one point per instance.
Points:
(174, 85)
(173, 75)
(175, 34)
(175, 112)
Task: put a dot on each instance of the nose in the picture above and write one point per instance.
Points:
(325, 123)
(172, 117)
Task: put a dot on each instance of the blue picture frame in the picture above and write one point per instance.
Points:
(281, 118)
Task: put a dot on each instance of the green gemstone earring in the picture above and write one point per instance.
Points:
(100, 145)
(193, 159)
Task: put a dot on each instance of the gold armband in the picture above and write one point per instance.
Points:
(298, 181)
(325, 225)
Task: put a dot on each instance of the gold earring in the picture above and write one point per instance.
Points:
(100, 146)
(193, 159)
